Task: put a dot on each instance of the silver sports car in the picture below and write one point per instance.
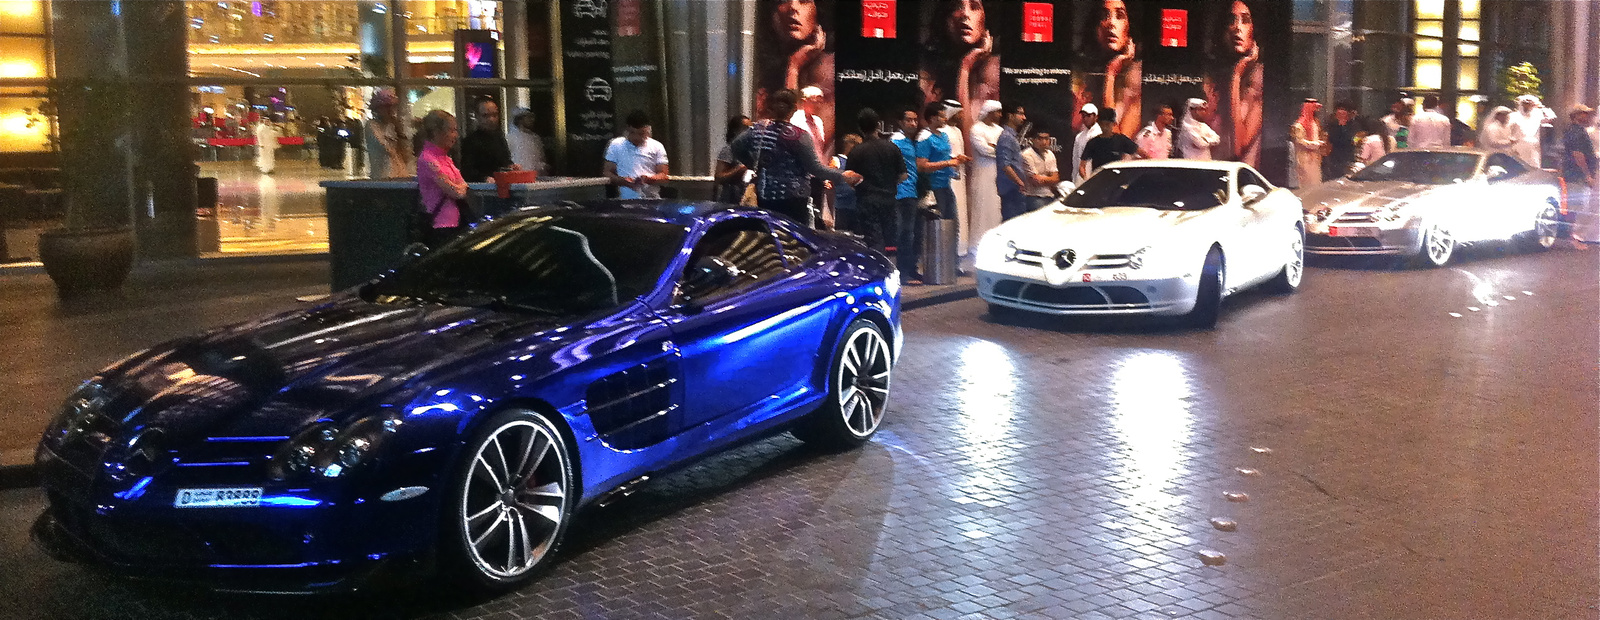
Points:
(1423, 204)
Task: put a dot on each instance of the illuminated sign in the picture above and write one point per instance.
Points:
(877, 19)
(1038, 22)
(1174, 28)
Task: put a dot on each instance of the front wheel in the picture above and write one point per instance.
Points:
(858, 390)
(1437, 248)
(1288, 280)
(511, 502)
(1546, 230)
(1208, 299)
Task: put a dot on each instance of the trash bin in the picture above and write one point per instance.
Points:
(939, 241)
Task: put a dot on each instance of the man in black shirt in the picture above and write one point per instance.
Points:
(882, 166)
(484, 151)
(1107, 147)
(1341, 141)
(1578, 164)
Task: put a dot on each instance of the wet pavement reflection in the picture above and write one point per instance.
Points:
(1352, 451)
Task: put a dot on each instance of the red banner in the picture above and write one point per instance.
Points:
(877, 19)
(630, 21)
(1038, 22)
(1174, 28)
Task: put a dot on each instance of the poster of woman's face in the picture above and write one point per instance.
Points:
(795, 52)
(1233, 81)
(1110, 69)
(960, 60)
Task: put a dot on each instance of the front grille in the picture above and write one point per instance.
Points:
(1324, 241)
(1106, 297)
(1029, 257)
(174, 540)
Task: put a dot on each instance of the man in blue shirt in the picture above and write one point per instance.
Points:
(1008, 160)
(909, 245)
(934, 159)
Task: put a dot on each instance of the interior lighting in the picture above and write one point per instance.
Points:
(19, 70)
(19, 8)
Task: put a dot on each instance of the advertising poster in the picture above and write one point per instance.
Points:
(586, 62)
(1137, 56)
(878, 68)
(635, 70)
(962, 41)
(1037, 72)
(796, 44)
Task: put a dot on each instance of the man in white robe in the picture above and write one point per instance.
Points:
(1529, 117)
(958, 147)
(1195, 137)
(983, 196)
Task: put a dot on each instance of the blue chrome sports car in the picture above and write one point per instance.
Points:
(454, 414)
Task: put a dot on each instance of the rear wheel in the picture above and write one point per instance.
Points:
(1546, 229)
(1288, 280)
(1437, 248)
(858, 390)
(1208, 300)
(511, 502)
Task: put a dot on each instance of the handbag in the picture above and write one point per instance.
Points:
(420, 225)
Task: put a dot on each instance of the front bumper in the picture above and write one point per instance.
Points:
(1163, 296)
(303, 542)
(1402, 241)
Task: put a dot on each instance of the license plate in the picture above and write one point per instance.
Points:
(240, 497)
(1352, 231)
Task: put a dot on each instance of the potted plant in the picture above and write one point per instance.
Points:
(94, 248)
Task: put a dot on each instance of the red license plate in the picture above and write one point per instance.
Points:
(1349, 231)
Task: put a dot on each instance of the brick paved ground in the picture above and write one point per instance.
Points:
(1413, 464)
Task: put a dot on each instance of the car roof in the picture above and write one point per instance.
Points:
(682, 212)
(1194, 164)
(1448, 149)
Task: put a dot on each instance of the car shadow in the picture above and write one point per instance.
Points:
(1474, 253)
(1128, 324)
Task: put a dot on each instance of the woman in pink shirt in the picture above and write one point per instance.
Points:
(438, 179)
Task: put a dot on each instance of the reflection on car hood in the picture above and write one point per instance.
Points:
(1344, 194)
(1111, 229)
(270, 376)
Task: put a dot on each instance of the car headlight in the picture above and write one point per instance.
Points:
(1136, 260)
(325, 449)
(78, 412)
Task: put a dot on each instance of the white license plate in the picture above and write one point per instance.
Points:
(218, 498)
(1352, 231)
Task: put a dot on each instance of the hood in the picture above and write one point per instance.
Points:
(1345, 195)
(1107, 230)
(278, 374)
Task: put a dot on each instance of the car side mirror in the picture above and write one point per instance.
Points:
(1497, 172)
(708, 273)
(413, 252)
(1251, 194)
(1065, 187)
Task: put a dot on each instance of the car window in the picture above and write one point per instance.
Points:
(1512, 166)
(746, 244)
(1421, 167)
(1170, 189)
(563, 263)
(1247, 177)
(795, 251)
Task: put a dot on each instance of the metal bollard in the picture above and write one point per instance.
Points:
(939, 240)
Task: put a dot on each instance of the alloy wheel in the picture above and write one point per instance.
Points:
(1440, 246)
(1295, 268)
(1546, 228)
(864, 381)
(515, 500)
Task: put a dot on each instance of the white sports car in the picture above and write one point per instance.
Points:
(1423, 204)
(1147, 237)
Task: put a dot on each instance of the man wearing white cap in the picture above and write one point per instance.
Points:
(807, 119)
(958, 183)
(1195, 137)
(1089, 119)
(1528, 117)
(983, 196)
(1393, 121)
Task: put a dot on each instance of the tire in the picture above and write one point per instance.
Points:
(1437, 248)
(525, 518)
(1288, 280)
(1208, 300)
(1546, 230)
(858, 391)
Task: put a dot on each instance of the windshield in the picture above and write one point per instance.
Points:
(1171, 189)
(1421, 167)
(555, 264)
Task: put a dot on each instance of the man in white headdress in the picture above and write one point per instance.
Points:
(1195, 137)
(1528, 117)
(958, 184)
(1089, 116)
(983, 196)
(266, 146)
(1497, 133)
(1395, 118)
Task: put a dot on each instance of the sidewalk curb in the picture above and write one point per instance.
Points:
(17, 469)
(965, 292)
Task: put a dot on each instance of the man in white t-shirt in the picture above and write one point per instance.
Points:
(1429, 128)
(1043, 175)
(1090, 115)
(635, 162)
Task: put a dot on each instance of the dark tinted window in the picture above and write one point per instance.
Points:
(1247, 177)
(1512, 166)
(747, 245)
(1176, 189)
(795, 251)
(1427, 168)
(558, 263)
